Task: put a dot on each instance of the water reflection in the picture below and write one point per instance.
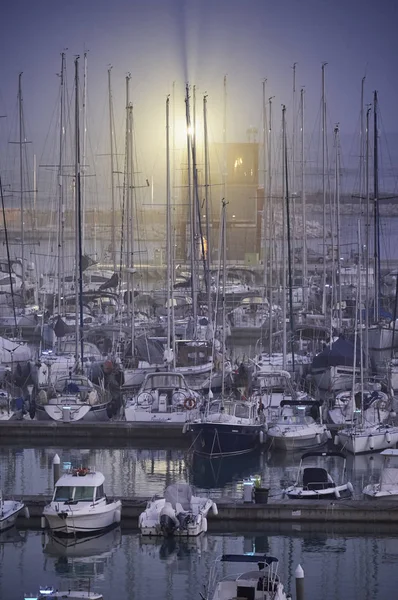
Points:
(143, 473)
(337, 566)
(82, 557)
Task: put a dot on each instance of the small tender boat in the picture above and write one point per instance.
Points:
(262, 583)
(315, 482)
(50, 593)
(179, 513)
(79, 504)
(9, 511)
(387, 486)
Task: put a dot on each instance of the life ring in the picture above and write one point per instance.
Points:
(189, 403)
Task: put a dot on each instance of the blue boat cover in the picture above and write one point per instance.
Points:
(340, 353)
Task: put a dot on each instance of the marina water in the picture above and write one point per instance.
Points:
(355, 562)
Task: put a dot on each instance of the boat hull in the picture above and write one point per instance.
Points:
(84, 413)
(332, 493)
(62, 520)
(9, 513)
(292, 443)
(359, 442)
(221, 439)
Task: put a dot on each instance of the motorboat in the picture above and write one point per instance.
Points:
(228, 427)
(178, 513)
(272, 386)
(50, 593)
(295, 429)
(79, 504)
(387, 486)
(163, 397)
(316, 482)
(72, 398)
(262, 583)
(9, 511)
(360, 438)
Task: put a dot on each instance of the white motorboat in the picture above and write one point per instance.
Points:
(72, 398)
(50, 593)
(295, 430)
(79, 504)
(358, 439)
(9, 511)
(387, 486)
(179, 513)
(163, 397)
(257, 584)
(315, 482)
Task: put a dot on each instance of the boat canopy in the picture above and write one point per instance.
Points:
(249, 558)
(340, 353)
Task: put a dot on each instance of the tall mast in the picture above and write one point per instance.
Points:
(168, 234)
(224, 266)
(289, 243)
(362, 142)
(207, 209)
(61, 207)
(323, 105)
(224, 139)
(367, 236)
(192, 212)
(265, 252)
(78, 210)
(21, 141)
(271, 223)
(285, 226)
(84, 150)
(376, 214)
(113, 224)
(303, 199)
(338, 253)
(294, 126)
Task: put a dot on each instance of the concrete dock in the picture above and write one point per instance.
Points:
(50, 432)
(231, 513)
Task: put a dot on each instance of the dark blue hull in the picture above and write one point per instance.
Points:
(221, 439)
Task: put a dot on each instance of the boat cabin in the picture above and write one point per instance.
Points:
(262, 583)
(240, 410)
(165, 392)
(389, 473)
(79, 485)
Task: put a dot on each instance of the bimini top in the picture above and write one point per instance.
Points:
(249, 558)
(81, 477)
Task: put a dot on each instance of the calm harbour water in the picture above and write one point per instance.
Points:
(355, 563)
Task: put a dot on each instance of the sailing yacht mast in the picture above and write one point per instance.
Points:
(61, 200)
(283, 242)
(192, 212)
(376, 214)
(323, 107)
(293, 197)
(265, 251)
(338, 253)
(78, 211)
(113, 224)
(270, 211)
(289, 242)
(84, 150)
(21, 142)
(303, 201)
(207, 209)
(367, 235)
(169, 353)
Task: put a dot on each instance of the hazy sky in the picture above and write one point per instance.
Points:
(161, 41)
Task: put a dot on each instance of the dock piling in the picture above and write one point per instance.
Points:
(299, 575)
(56, 468)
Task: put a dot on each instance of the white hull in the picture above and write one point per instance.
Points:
(142, 416)
(73, 595)
(9, 511)
(332, 492)
(83, 412)
(374, 492)
(68, 520)
(368, 439)
(149, 520)
(299, 440)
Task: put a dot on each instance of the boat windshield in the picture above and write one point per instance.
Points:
(237, 409)
(295, 420)
(163, 380)
(75, 494)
